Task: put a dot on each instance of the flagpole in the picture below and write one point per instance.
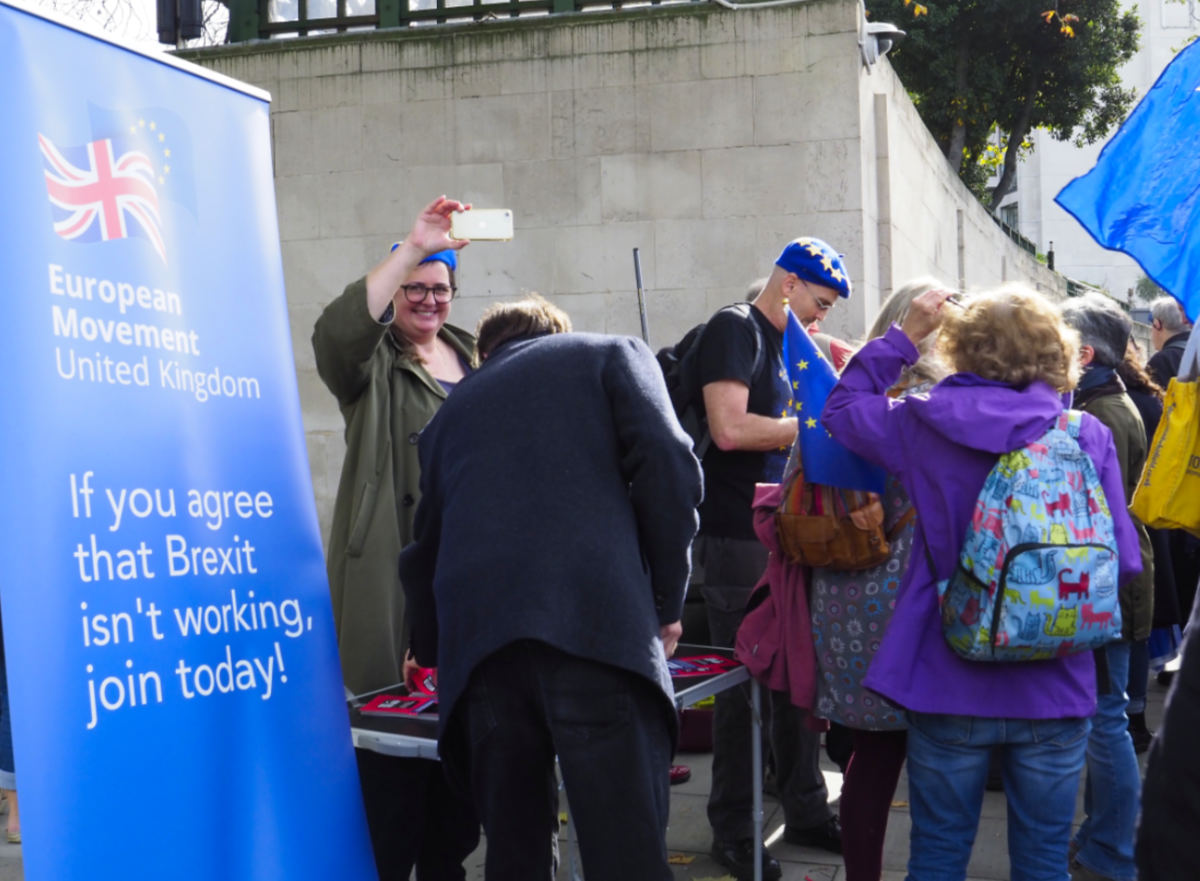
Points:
(637, 272)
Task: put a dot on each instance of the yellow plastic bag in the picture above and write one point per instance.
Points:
(1168, 494)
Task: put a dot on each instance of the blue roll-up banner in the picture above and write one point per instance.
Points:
(177, 702)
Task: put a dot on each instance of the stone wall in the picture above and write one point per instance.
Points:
(704, 137)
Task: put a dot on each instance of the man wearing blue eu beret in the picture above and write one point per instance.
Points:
(746, 399)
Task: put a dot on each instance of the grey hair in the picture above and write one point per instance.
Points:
(1167, 312)
(1101, 325)
(892, 311)
(754, 289)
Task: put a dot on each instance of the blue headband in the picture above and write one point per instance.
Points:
(449, 257)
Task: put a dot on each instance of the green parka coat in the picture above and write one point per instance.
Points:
(1113, 407)
(386, 398)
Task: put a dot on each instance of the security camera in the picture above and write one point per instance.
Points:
(878, 38)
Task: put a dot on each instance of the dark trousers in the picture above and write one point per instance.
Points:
(731, 567)
(611, 731)
(867, 792)
(415, 818)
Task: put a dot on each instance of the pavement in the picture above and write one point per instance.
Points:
(688, 836)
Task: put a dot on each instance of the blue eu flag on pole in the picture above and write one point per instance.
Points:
(812, 378)
(1143, 195)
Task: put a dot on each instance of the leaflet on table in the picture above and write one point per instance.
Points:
(700, 665)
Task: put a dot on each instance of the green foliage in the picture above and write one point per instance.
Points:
(976, 67)
(1146, 289)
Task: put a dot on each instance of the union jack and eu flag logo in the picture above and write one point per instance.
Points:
(113, 185)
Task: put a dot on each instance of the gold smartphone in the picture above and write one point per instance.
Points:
(482, 225)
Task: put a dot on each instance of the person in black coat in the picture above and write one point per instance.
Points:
(1166, 843)
(546, 583)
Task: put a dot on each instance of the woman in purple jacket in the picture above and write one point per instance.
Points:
(1014, 358)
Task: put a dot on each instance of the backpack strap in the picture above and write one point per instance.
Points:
(743, 310)
(1070, 421)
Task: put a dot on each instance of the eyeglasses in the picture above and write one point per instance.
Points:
(822, 305)
(415, 292)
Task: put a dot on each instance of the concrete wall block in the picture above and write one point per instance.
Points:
(713, 113)
(343, 198)
(555, 192)
(560, 42)
(594, 71)
(525, 77)
(504, 127)
(670, 313)
(337, 138)
(812, 176)
(603, 37)
(293, 94)
(380, 55)
(406, 133)
(722, 60)
(599, 258)
(647, 187)
(316, 271)
(382, 87)
(562, 124)
(474, 80)
(667, 65)
(831, 17)
(291, 135)
(670, 32)
(423, 54)
(823, 50)
(794, 107)
(314, 59)
(297, 206)
(718, 26)
(302, 317)
(698, 252)
(481, 45)
(784, 55)
(336, 91)
(430, 84)
(481, 185)
(756, 25)
(257, 70)
(588, 311)
(494, 271)
(326, 449)
(605, 122)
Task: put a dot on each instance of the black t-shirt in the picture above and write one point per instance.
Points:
(726, 352)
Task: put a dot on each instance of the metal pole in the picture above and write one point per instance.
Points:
(637, 271)
(756, 771)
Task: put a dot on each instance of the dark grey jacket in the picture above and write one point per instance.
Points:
(558, 503)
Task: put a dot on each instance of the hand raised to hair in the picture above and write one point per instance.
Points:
(925, 314)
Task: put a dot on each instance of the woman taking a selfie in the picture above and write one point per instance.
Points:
(385, 351)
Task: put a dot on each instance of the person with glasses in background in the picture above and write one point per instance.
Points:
(385, 351)
(746, 399)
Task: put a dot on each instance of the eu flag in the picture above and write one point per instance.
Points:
(1143, 195)
(825, 460)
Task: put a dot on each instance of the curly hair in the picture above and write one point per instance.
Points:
(1012, 335)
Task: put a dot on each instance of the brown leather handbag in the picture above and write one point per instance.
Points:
(834, 528)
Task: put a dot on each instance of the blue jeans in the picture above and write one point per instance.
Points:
(1139, 675)
(1111, 796)
(947, 770)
